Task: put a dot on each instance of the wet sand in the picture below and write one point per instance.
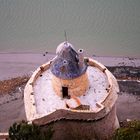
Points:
(128, 107)
(11, 112)
(12, 65)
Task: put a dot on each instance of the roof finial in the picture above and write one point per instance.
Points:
(65, 36)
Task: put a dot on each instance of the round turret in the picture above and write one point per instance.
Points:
(69, 70)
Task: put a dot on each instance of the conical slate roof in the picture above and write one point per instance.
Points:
(66, 64)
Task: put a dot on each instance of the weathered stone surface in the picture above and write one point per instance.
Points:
(76, 86)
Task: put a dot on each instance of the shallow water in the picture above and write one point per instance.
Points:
(110, 27)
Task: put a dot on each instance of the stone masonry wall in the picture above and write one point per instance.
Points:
(76, 87)
(101, 129)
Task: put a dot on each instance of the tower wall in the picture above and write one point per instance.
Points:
(83, 126)
(76, 87)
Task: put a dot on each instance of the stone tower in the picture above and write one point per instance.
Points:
(76, 93)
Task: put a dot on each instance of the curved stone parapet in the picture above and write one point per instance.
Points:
(103, 107)
(29, 100)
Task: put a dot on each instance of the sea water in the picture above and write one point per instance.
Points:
(101, 27)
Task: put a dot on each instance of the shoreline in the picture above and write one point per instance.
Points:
(53, 53)
(19, 64)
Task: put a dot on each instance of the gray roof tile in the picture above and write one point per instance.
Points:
(66, 65)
